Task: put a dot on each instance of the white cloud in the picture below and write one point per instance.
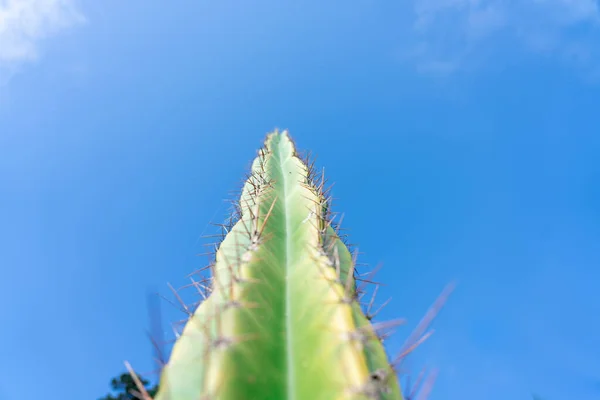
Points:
(458, 34)
(24, 23)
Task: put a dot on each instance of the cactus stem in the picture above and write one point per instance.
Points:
(261, 271)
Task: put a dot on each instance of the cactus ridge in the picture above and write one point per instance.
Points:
(280, 315)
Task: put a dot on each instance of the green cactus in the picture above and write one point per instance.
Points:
(282, 319)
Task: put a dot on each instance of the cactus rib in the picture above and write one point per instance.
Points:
(282, 320)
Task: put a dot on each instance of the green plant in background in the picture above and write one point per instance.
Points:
(281, 317)
(124, 387)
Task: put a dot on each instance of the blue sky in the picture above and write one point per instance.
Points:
(461, 135)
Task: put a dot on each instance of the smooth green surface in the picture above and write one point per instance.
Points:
(282, 321)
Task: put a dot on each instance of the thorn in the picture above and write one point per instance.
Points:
(388, 324)
(202, 289)
(371, 315)
(138, 383)
(371, 302)
(176, 333)
(219, 235)
(213, 244)
(262, 228)
(211, 254)
(412, 347)
(428, 318)
(339, 224)
(349, 292)
(369, 275)
(159, 358)
(181, 302)
(174, 305)
(427, 386)
(365, 333)
(337, 263)
(415, 389)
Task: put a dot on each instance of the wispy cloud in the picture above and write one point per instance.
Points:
(461, 34)
(24, 23)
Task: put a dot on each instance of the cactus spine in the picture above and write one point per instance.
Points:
(282, 319)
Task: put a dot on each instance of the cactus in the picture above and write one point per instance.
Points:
(281, 319)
